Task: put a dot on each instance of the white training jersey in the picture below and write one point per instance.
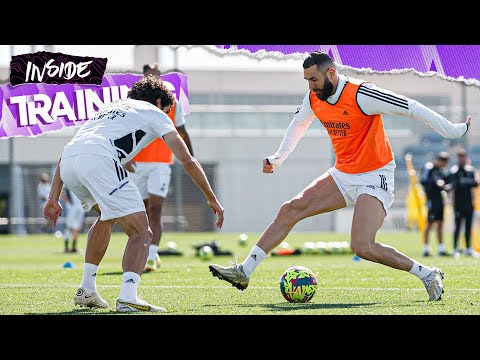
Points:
(120, 130)
(372, 100)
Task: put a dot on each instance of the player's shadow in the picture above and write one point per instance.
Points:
(111, 273)
(81, 311)
(308, 306)
(121, 273)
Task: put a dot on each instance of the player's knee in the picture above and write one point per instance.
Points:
(356, 248)
(145, 234)
(291, 209)
(141, 236)
(365, 251)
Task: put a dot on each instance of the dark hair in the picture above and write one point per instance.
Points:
(151, 67)
(462, 152)
(150, 88)
(319, 58)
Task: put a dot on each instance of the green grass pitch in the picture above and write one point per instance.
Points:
(34, 282)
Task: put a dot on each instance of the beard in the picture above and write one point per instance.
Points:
(326, 92)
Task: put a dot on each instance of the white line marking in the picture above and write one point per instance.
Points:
(223, 287)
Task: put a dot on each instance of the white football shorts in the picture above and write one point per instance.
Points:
(152, 178)
(101, 180)
(75, 217)
(378, 183)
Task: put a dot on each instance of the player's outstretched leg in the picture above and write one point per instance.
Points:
(233, 274)
(320, 196)
(433, 284)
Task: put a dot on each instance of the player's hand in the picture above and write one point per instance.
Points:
(52, 211)
(267, 167)
(217, 209)
(130, 166)
(469, 121)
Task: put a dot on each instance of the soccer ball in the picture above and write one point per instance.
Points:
(172, 245)
(243, 239)
(298, 284)
(321, 247)
(205, 252)
(309, 247)
(335, 247)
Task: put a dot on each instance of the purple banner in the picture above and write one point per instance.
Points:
(34, 109)
(456, 61)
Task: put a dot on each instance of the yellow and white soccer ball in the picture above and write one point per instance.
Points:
(298, 284)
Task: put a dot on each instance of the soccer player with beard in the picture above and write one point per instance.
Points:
(363, 175)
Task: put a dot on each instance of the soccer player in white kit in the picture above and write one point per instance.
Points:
(91, 167)
(151, 171)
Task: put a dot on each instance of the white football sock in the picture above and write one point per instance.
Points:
(441, 247)
(89, 278)
(253, 259)
(420, 270)
(130, 282)
(152, 252)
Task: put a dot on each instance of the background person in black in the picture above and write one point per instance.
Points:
(463, 178)
(433, 179)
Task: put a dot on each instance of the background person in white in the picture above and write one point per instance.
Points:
(91, 167)
(43, 189)
(73, 221)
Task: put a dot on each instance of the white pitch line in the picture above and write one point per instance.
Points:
(223, 287)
